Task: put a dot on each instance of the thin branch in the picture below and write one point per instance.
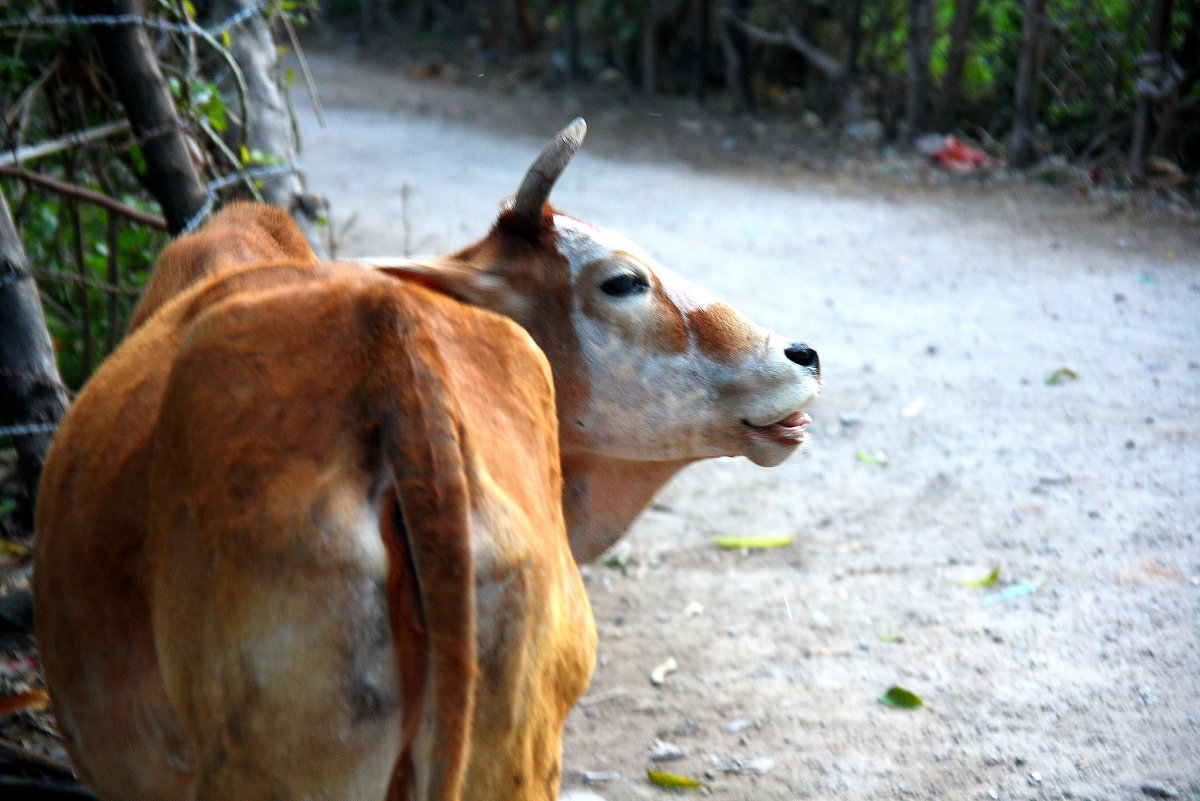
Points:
(86, 195)
(18, 108)
(113, 276)
(59, 277)
(31, 152)
(235, 71)
(229, 155)
(56, 276)
(85, 307)
(827, 64)
(309, 84)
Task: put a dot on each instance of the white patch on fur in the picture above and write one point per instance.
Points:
(373, 553)
(585, 243)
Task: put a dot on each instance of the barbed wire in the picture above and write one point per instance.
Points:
(113, 20)
(212, 187)
(27, 429)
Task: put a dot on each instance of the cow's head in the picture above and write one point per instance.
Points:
(648, 367)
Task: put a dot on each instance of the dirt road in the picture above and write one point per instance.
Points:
(940, 452)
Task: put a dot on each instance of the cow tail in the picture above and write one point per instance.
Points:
(426, 529)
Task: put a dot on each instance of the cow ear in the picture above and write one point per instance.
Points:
(448, 277)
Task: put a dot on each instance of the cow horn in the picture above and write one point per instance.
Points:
(535, 188)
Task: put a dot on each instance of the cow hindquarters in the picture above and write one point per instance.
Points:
(280, 664)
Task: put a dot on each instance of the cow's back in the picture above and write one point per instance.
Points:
(241, 234)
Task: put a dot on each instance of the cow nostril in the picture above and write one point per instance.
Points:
(802, 355)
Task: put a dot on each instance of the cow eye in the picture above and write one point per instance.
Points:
(624, 285)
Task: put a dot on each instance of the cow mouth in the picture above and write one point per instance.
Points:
(788, 431)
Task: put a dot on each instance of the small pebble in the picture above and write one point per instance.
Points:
(666, 752)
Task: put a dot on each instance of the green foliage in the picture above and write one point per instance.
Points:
(90, 264)
(84, 321)
(1089, 60)
(202, 99)
(622, 19)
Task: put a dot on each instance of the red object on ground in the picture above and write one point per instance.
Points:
(958, 157)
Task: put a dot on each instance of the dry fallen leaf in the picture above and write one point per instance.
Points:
(28, 701)
(659, 674)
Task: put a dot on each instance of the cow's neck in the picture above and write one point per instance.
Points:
(602, 497)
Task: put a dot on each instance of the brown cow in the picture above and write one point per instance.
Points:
(302, 535)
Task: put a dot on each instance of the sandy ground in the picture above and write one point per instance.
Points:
(939, 315)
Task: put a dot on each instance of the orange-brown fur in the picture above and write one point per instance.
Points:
(720, 332)
(213, 625)
(242, 233)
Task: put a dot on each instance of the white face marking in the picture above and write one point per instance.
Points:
(686, 296)
(649, 403)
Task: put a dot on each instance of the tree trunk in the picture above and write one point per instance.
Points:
(1151, 72)
(268, 127)
(956, 60)
(1168, 140)
(525, 25)
(648, 56)
(571, 32)
(853, 22)
(1029, 75)
(917, 83)
(735, 44)
(133, 68)
(366, 22)
(31, 392)
(703, 10)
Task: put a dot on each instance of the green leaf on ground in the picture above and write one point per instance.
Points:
(986, 581)
(1061, 375)
(878, 459)
(896, 638)
(901, 698)
(736, 543)
(671, 781)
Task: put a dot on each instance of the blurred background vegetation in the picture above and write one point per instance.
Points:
(1103, 73)
(1112, 85)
